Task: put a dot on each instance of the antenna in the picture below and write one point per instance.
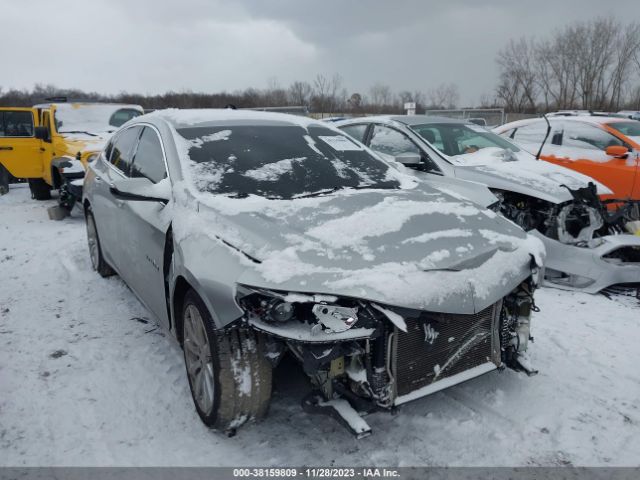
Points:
(545, 137)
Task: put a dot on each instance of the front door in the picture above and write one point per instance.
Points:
(583, 149)
(144, 227)
(20, 151)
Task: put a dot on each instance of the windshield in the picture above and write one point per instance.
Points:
(92, 118)
(630, 129)
(467, 144)
(280, 161)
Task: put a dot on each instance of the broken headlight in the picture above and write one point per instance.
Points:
(326, 314)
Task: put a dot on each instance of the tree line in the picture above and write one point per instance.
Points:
(325, 95)
(592, 65)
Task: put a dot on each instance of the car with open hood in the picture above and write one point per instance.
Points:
(585, 248)
(252, 234)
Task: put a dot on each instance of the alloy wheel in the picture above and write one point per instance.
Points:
(197, 354)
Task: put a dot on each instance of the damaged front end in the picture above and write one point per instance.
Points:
(362, 356)
(591, 244)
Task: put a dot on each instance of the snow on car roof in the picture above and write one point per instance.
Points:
(592, 119)
(404, 119)
(180, 118)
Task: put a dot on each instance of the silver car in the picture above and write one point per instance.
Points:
(252, 234)
(560, 206)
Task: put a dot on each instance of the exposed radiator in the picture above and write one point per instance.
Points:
(438, 345)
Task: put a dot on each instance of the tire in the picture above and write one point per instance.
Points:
(40, 190)
(98, 262)
(229, 377)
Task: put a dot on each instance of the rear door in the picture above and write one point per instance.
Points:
(114, 164)
(144, 228)
(20, 152)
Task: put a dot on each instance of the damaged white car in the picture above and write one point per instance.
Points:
(588, 246)
(252, 234)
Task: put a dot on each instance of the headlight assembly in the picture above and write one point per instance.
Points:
(319, 315)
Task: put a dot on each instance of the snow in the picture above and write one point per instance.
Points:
(393, 317)
(214, 137)
(190, 117)
(272, 171)
(120, 395)
(484, 156)
(93, 118)
(451, 233)
(340, 232)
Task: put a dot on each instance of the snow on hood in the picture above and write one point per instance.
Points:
(520, 172)
(415, 248)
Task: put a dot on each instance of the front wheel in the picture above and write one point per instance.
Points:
(40, 190)
(229, 375)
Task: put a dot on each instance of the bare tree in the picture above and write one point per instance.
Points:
(586, 65)
(518, 86)
(300, 93)
(445, 95)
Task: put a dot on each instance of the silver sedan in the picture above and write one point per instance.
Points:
(251, 234)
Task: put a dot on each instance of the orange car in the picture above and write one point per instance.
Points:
(602, 147)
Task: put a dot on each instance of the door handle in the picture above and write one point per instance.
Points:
(6, 148)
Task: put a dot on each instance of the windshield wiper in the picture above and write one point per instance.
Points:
(79, 131)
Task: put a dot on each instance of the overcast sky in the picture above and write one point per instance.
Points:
(149, 46)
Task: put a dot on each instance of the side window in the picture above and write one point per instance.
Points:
(356, 131)
(581, 135)
(432, 135)
(149, 160)
(123, 148)
(16, 123)
(391, 142)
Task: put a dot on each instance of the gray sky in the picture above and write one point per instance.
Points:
(210, 45)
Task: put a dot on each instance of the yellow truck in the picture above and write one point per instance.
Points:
(50, 144)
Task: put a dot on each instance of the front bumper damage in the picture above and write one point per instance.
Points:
(392, 355)
(594, 266)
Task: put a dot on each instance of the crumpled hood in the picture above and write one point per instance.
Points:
(414, 248)
(530, 177)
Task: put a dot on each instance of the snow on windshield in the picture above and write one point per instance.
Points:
(280, 160)
(93, 118)
(273, 171)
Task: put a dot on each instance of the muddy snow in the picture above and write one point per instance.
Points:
(88, 378)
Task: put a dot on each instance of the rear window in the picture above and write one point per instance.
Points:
(122, 116)
(16, 124)
(280, 161)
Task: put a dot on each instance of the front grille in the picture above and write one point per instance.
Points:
(439, 345)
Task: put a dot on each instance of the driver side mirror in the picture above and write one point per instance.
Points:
(409, 159)
(141, 190)
(617, 151)
(42, 133)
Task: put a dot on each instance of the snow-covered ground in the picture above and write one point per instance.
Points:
(87, 378)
